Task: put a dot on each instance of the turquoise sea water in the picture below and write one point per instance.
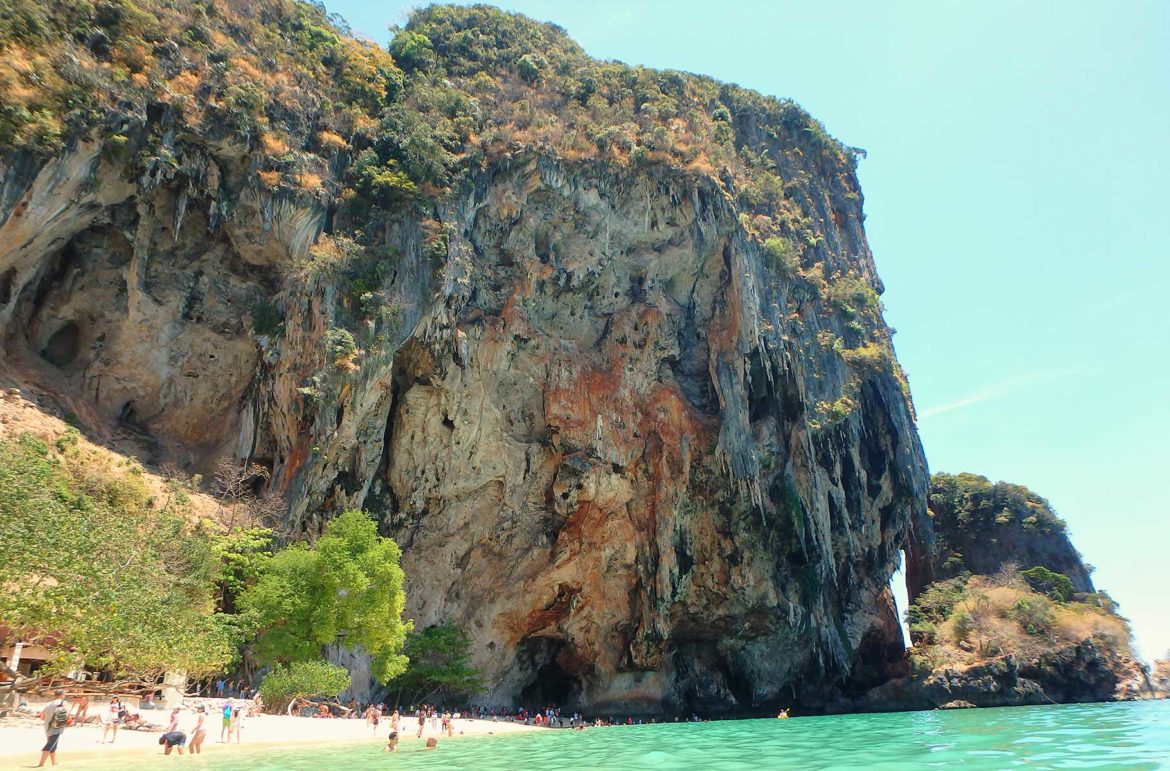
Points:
(1114, 736)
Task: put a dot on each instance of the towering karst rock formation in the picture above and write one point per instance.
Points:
(601, 346)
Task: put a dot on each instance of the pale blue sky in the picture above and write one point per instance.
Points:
(1017, 209)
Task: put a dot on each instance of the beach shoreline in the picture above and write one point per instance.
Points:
(20, 745)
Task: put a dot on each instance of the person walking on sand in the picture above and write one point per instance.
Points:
(422, 722)
(195, 747)
(55, 716)
(113, 717)
(173, 724)
(394, 718)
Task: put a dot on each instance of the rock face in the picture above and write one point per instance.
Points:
(980, 526)
(1160, 677)
(600, 458)
(1080, 673)
(645, 465)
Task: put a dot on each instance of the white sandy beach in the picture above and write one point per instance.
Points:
(20, 745)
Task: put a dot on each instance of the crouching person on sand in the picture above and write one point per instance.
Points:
(173, 739)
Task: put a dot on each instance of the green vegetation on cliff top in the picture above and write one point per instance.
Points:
(312, 111)
(459, 84)
(980, 525)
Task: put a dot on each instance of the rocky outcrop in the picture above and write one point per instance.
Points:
(1160, 677)
(979, 527)
(646, 465)
(1078, 673)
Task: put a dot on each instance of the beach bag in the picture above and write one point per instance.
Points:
(60, 717)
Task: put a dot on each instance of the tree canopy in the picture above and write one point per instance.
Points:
(440, 663)
(346, 588)
(92, 572)
(301, 680)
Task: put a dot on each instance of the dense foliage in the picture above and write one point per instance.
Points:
(279, 75)
(300, 680)
(96, 572)
(346, 588)
(440, 666)
(972, 515)
(106, 578)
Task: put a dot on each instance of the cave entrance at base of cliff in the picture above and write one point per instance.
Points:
(550, 685)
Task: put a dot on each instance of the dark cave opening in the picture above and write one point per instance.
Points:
(62, 347)
(7, 281)
(875, 661)
(551, 685)
(127, 414)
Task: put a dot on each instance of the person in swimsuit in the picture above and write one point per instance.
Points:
(200, 733)
(422, 722)
(392, 743)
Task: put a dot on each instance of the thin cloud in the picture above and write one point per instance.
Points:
(994, 391)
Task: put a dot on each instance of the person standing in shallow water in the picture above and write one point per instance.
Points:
(56, 717)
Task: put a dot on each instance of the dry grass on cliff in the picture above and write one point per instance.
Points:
(988, 617)
(91, 463)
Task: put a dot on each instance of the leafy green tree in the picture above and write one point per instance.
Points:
(93, 573)
(243, 555)
(347, 588)
(412, 50)
(1055, 585)
(440, 664)
(301, 680)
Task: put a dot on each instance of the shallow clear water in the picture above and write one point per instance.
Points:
(1114, 736)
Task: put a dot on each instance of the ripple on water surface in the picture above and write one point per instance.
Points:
(1113, 736)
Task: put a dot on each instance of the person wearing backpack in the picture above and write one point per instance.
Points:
(56, 717)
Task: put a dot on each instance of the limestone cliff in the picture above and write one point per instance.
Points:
(600, 346)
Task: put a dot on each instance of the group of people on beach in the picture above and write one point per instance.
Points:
(58, 715)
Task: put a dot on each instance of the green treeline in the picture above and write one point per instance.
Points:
(114, 579)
